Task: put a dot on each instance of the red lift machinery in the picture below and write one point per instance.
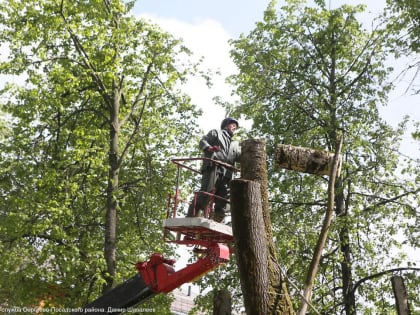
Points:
(158, 275)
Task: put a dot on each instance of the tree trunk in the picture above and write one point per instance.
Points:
(250, 245)
(254, 168)
(346, 272)
(305, 160)
(112, 203)
(401, 297)
(222, 302)
(341, 210)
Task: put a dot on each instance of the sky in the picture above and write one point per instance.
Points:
(234, 16)
(207, 26)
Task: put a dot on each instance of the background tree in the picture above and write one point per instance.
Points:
(310, 74)
(403, 21)
(85, 173)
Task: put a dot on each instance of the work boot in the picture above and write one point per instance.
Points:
(194, 212)
(191, 211)
(218, 215)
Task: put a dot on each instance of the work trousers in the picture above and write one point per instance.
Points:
(213, 181)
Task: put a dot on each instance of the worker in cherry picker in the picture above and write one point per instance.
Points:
(217, 145)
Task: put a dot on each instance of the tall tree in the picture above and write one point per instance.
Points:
(87, 159)
(307, 74)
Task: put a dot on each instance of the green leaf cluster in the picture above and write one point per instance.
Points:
(90, 71)
(308, 75)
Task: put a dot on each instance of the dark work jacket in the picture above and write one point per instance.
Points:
(230, 151)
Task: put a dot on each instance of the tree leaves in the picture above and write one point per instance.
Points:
(91, 69)
(306, 76)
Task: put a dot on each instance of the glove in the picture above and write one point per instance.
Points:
(214, 148)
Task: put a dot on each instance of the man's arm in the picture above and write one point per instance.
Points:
(209, 142)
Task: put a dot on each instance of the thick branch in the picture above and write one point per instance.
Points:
(313, 267)
(306, 160)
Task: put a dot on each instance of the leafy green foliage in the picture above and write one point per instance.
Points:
(405, 16)
(224, 277)
(402, 19)
(308, 75)
(87, 65)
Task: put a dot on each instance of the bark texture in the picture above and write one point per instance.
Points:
(250, 245)
(254, 168)
(401, 297)
(112, 189)
(222, 302)
(306, 160)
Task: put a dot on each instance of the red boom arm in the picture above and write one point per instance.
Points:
(159, 274)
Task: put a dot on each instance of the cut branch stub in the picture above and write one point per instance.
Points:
(305, 160)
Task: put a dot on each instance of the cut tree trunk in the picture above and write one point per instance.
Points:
(250, 245)
(305, 160)
(254, 168)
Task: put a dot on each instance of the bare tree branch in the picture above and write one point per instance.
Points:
(379, 274)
